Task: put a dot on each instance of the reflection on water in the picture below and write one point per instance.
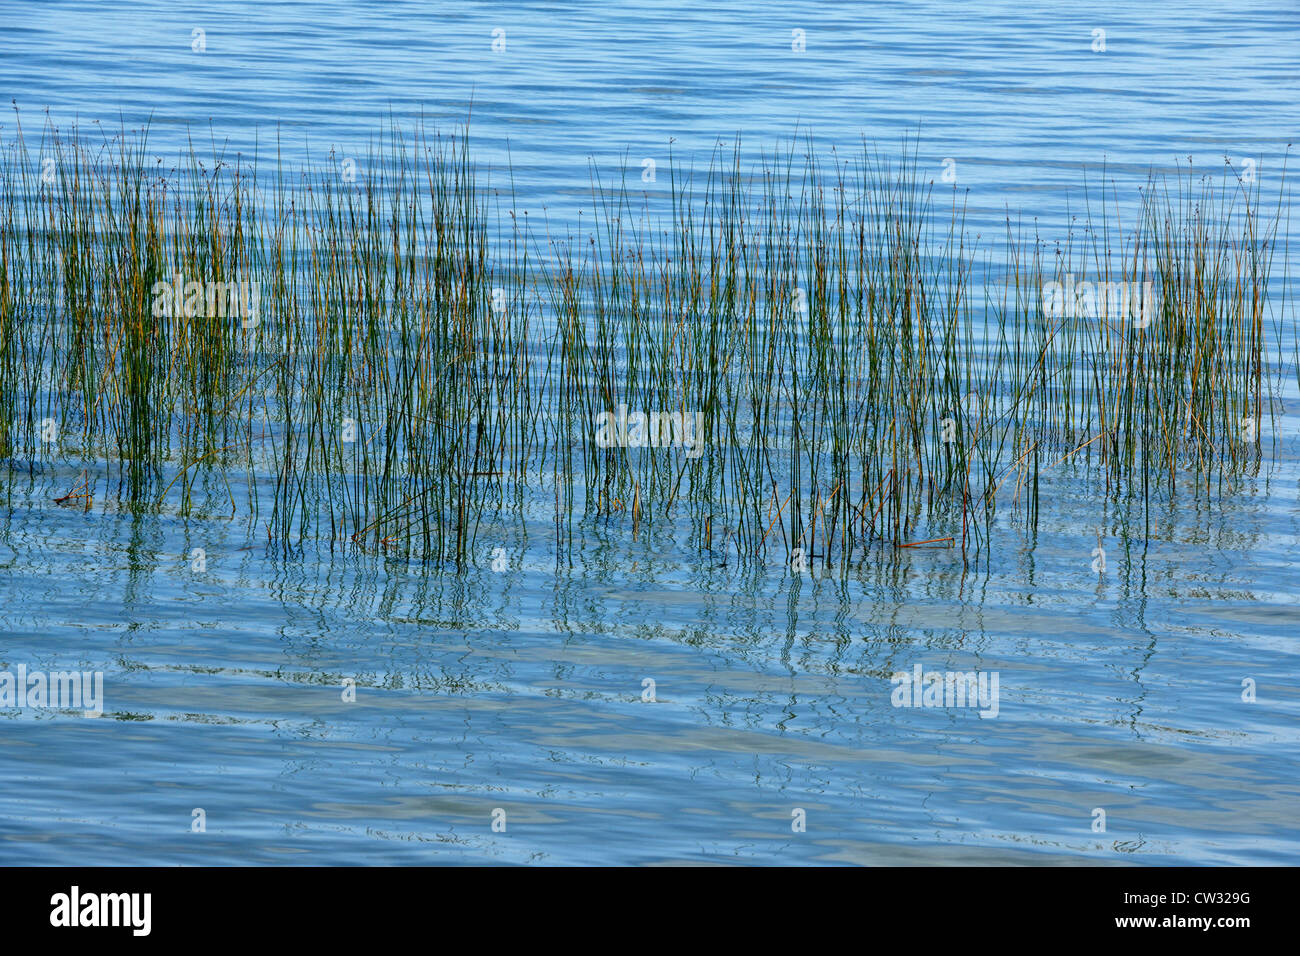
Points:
(527, 690)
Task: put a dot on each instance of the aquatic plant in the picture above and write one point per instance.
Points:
(398, 362)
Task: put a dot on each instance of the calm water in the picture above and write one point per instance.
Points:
(523, 690)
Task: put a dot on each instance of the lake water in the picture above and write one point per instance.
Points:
(525, 690)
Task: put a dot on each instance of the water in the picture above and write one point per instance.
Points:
(523, 690)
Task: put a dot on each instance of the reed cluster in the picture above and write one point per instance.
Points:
(816, 357)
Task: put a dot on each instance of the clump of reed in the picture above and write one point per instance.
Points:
(424, 365)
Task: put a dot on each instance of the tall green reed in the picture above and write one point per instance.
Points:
(425, 368)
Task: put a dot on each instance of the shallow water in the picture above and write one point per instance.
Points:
(523, 689)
